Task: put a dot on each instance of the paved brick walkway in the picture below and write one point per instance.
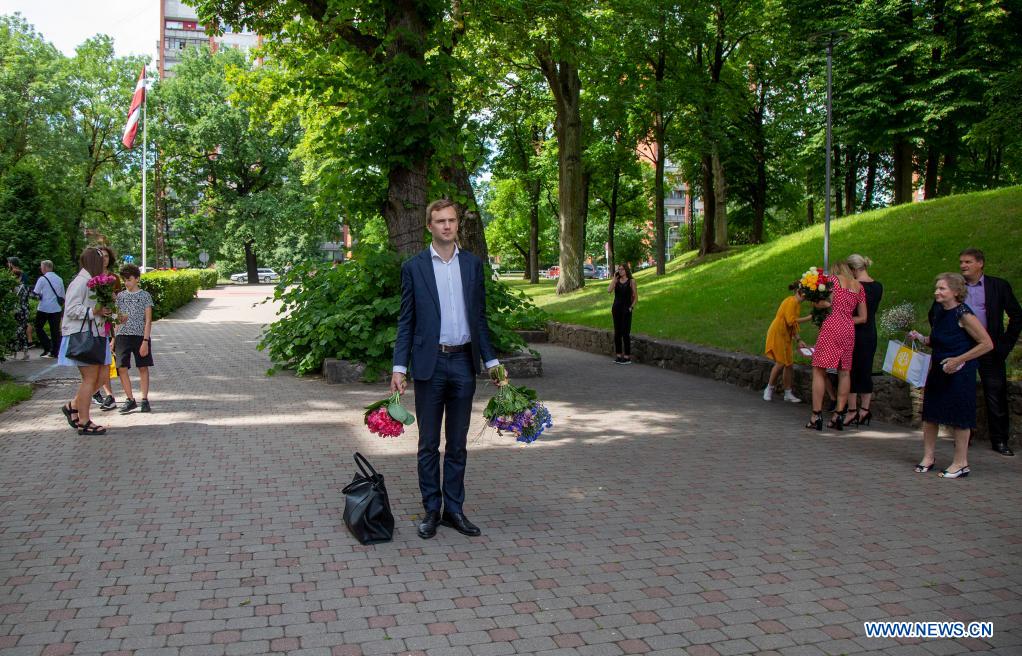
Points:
(664, 514)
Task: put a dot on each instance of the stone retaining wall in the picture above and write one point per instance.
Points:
(893, 401)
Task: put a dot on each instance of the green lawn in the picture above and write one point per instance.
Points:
(729, 300)
(12, 393)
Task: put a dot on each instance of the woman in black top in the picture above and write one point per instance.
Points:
(622, 286)
(861, 391)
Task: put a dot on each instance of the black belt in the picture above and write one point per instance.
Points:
(460, 348)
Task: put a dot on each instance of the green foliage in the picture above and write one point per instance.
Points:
(509, 310)
(347, 311)
(207, 277)
(171, 289)
(8, 301)
(26, 228)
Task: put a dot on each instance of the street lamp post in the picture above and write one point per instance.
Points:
(826, 208)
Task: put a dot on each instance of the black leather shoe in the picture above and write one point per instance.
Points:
(1003, 449)
(460, 523)
(427, 528)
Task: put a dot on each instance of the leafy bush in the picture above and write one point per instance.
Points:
(347, 311)
(170, 289)
(8, 301)
(208, 278)
(350, 312)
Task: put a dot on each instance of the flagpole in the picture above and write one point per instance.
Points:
(145, 148)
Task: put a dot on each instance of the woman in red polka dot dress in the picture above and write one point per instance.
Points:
(835, 344)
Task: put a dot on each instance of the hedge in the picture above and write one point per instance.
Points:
(171, 289)
(208, 278)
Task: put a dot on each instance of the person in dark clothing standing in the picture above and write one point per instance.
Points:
(990, 299)
(861, 390)
(622, 286)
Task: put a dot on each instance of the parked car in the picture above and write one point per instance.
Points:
(588, 270)
(264, 275)
(602, 273)
(553, 272)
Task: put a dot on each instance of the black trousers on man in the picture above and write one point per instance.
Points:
(51, 343)
(994, 378)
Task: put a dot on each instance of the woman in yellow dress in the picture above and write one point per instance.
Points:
(783, 330)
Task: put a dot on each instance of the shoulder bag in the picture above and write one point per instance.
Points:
(366, 505)
(85, 347)
(60, 299)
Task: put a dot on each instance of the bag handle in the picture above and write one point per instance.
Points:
(363, 464)
(53, 289)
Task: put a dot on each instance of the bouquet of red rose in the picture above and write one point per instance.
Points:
(102, 287)
(387, 417)
(516, 410)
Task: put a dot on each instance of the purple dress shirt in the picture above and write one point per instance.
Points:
(975, 298)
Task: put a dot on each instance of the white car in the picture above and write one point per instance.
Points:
(265, 276)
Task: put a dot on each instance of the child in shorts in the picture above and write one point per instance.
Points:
(135, 307)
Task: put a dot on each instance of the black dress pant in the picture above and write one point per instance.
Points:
(994, 378)
(445, 399)
(51, 343)
(622, 330)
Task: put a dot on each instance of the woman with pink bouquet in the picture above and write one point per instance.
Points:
(83, 312)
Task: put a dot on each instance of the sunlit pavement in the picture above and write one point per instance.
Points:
(662, 514)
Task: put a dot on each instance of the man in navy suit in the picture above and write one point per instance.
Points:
(990, 299)
(442, 334)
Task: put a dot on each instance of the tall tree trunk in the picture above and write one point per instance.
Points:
(612, 217)
(658, 194)
(759, 189)
(691, 202)
(251, 265)
(532, 262)
(835, 188)
(903, 170)
(932, 170)
(566, 86)
(871, 178)
(471, 235)
(707, 244)
(945, 185)
(405, 209)
(720, 202)
(851, 179)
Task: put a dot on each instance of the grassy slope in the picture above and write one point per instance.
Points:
(12, 393)
(730, 300)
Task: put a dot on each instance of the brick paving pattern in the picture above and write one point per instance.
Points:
(663, 514)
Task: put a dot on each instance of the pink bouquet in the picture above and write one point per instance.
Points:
(387, 417)
(102, 287)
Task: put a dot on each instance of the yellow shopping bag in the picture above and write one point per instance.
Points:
(113, 361)
(907, 364)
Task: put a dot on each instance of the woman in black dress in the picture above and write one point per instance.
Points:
(622, 286)
(861, 391)
(957, 339)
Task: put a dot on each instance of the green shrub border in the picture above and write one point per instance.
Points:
(171, 289)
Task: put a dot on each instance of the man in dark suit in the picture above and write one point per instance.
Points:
(990, 298)
(442, 334)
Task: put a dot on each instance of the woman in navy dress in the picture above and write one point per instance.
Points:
(957, 339)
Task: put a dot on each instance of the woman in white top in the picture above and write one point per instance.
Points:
(81, 313)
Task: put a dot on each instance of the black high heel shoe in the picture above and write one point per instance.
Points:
(854, 419)
(815, 421)
(864, 419)
(838, 421)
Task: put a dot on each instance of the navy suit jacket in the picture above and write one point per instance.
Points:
(418, 324)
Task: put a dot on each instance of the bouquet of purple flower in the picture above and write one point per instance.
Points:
(517, 410)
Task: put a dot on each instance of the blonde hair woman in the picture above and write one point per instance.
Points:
(860, 393)
(835, 344)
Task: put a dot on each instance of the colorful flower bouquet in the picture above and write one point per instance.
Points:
(387, 417)
(815, 286)
(102, 287)
(516, 410)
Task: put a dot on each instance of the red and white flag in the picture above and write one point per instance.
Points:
(135, 113)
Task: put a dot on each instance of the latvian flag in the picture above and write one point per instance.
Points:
(135, 112)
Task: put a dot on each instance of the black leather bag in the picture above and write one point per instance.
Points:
(87, 348)
(366, 505)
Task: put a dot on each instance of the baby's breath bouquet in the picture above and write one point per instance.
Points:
(897, 319)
